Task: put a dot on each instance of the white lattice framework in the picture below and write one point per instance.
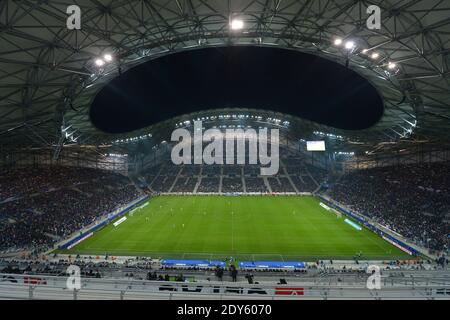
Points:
(48, 75)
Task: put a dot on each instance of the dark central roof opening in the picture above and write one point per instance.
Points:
(273, 79)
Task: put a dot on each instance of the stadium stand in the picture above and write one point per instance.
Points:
(170, 170)
(318, 174)
(154, 170)
(294, 169)
(255, 185)
(413, 200)
(209, 185)
(232, 185)
(339, 85)
(251, 170)
(301, 185)
(185, 184)
(280, 184)
(232, 171)
(60, 202)
(211, 171)
(191, 170)
(310, 185)
(304, 177)
(18, 182)
(163, 183)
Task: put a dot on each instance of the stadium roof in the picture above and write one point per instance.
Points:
(49, 75)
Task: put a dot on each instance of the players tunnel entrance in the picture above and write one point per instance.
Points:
(286, 81)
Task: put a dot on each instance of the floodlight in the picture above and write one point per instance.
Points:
(349, 45)
(237, 24)
(108, 57)
(392, 65)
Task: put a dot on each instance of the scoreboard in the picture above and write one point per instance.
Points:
(315, 145)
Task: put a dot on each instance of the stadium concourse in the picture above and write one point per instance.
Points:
(347, 101)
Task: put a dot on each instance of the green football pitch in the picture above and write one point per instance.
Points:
(270, 228)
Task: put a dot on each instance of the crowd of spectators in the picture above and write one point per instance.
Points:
(303, 183)
(191, 170)
(211, 170)
(184, 185)
(41, 217)
(255, 185)
(163, 183)
(18, 182)
(413, 200)
(232, 185)
(232, 170)
(306, 178)
(280, 184)
(319, 174)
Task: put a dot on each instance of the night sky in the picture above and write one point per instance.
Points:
(237, 77)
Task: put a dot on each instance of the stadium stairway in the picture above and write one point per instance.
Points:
(288, 176)
(312, 178)
(150, 183)
(266, 182)
(175, 180)
(220, 180)
(198, 183)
